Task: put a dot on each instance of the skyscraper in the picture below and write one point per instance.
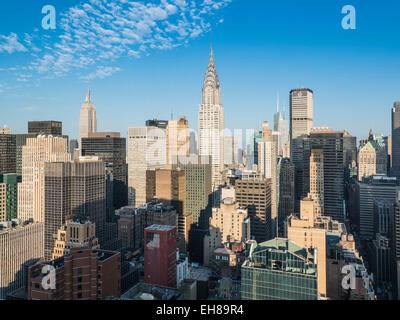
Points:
(255, 195)
(111, 148)
(8, 196)
(286, 191)
(73, 190)
(88, 118)
(317, 180)
(147, 149)
(211, 122)
(228, 223)
(282, 126)
(267, 165)
(396, 140)
(21, 243)
(331, 142)
(7, 153)
(45, 127)
(178, 140)
(372, 158)
(375, 187)
(35, 153)
(169, 187)
(20, 142)
(301, 122)
(198, 188)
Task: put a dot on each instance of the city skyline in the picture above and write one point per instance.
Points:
(253, 68)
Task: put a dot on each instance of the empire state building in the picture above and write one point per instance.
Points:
(88, 118)
(211, 122)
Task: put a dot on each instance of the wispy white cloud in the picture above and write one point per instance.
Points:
(96, 34)
(102, 72)
(11, 44)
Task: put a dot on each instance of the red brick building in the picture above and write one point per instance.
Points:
(84, 274)
(160, 255)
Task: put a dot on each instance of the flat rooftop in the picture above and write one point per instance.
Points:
(157, 227)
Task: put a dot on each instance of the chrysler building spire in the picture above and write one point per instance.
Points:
(211, 86)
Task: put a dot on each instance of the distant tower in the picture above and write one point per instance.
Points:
(301, 122)
(317, 180)
(88, 118)
(396, 140)
(211, 122)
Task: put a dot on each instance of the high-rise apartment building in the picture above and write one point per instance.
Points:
(396, 140)
(160, 255)
(211, 122)
(8, 153)
(146, 151)
(8, 196)
(83, 274)
(53, 128)
(301, 122)
(110, 148)
(255, 195)
(331, 142)
(178, 140)
(88, 118)
(35, 153)
(20, 244)
(372, 158)
(279, 269)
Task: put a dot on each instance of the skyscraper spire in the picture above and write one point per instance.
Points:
(277, 102)
(88, 93)
(211, 52)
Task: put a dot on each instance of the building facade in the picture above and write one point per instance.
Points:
(8, 153)
(8, 196)
(21, 243)
(279, 269)
(147, 150)
(160, 255)
(211, 122)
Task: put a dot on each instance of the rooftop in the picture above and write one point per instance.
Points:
(157, 227)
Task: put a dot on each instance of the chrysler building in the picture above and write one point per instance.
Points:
(88, 119)
(211, 122)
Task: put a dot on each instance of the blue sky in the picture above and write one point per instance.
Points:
(147, 59)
